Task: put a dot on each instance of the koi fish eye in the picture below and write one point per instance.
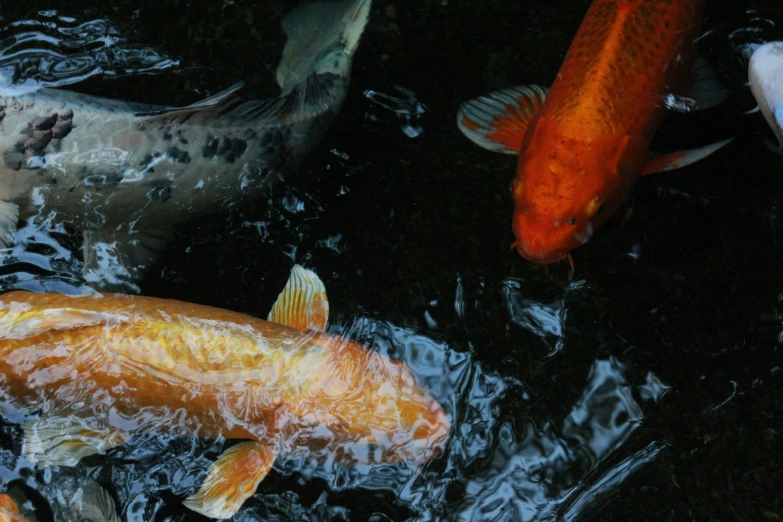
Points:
(570, 220)
(595, 207)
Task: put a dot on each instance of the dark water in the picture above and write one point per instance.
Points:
(648, 386)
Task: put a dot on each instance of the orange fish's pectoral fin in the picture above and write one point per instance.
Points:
(57, 441)
(498, 121)
(677, 160)
(232, 479)
(302, 304)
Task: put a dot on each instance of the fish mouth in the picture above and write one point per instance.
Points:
(545, 245)
(545, 258)
(539, 255)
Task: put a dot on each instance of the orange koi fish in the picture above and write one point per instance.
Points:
(583, 145)
(98, 368)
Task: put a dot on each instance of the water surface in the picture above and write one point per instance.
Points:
(646, 387)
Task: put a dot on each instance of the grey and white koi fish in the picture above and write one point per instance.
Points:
(765, 73)
(125, 174)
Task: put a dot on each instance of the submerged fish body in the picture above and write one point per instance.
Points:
(583, 144)
(219, 373)
(765, 72)
(70, 497)
(125, 173)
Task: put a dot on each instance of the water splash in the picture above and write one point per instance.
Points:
(404, 105)
(53, 50)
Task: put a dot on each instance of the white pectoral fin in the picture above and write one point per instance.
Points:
(303, 303)
(232, 479)
(56, 441)
(679, 159)
(9, 218)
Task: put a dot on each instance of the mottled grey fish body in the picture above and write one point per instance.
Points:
(71, 498)
(125, 173)
(102, 164)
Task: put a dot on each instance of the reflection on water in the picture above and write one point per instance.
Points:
(545, 320)
(404, 106)
(56, 50)
(560, 470)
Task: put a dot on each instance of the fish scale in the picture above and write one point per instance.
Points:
(625, 54)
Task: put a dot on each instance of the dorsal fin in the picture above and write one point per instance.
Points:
(212, 101)
(302, 304)
(17, 322)
(308, 99)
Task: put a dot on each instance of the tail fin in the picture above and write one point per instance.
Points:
(316, 29)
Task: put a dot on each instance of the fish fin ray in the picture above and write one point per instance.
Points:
(303, 303)
(498, 121)
(93, 502)
(232, 479)
(315, 28)
(56, 441)
(116, 259)
(679, 159)
(9, 218)
(706, 89)
(306, 100)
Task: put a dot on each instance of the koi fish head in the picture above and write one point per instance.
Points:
(377, 400)
(407, 423)
(562, 193)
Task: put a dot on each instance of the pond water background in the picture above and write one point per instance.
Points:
(648, 386)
